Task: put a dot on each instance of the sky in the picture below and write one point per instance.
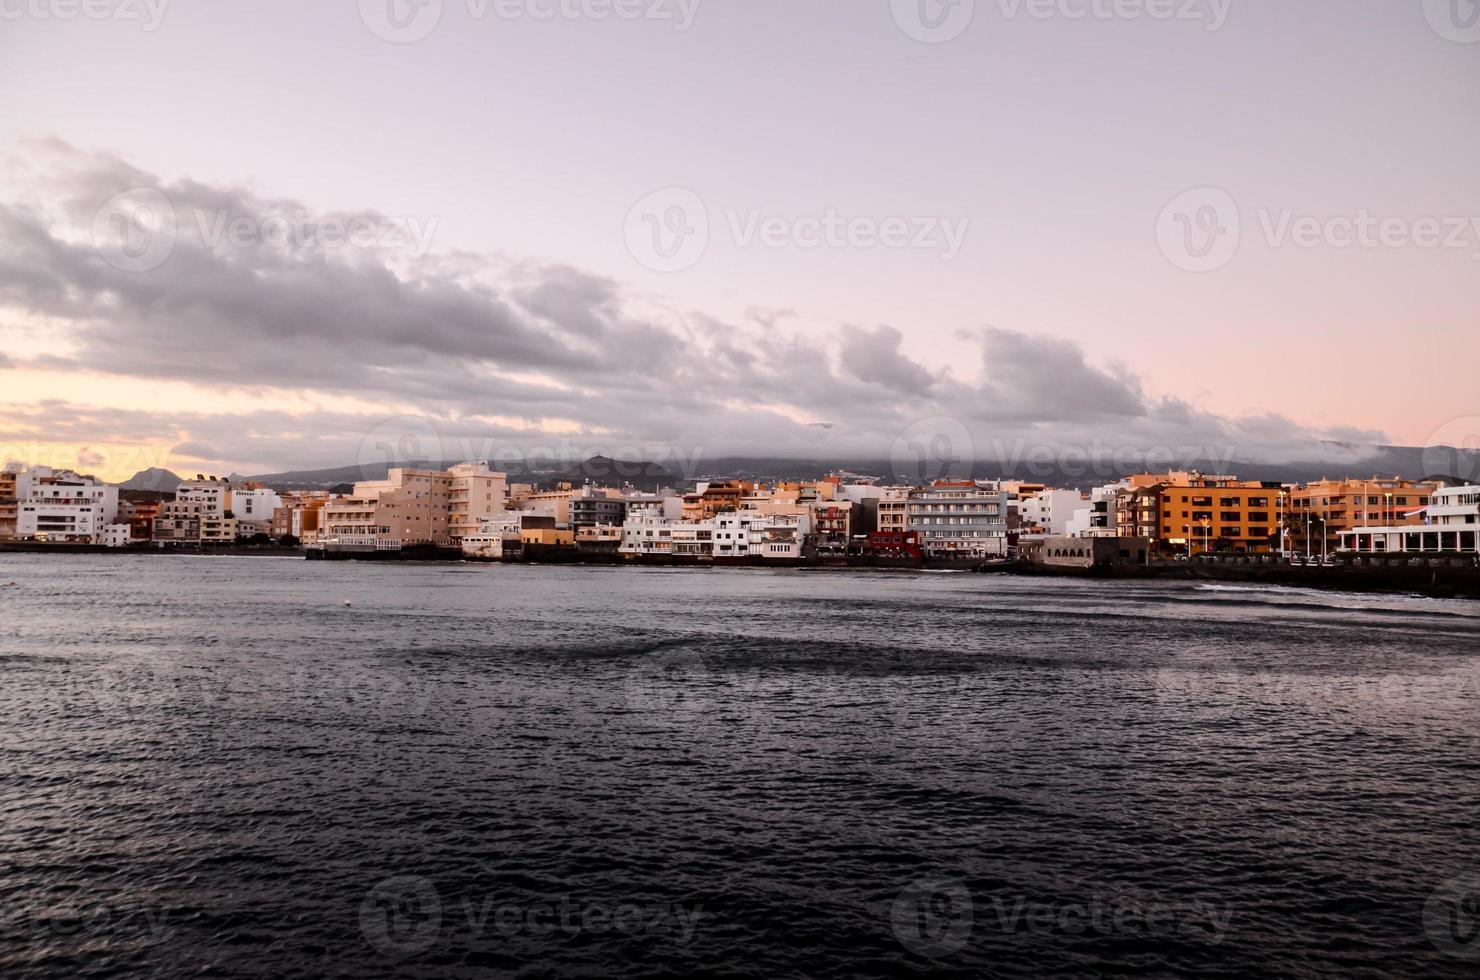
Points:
(280, 235)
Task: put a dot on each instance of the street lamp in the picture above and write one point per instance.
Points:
(1279, 516)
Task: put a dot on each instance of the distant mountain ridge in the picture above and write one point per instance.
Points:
(1446, 464)
(1342, 461)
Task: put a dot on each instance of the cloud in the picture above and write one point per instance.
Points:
(263, 295)
(874, 356)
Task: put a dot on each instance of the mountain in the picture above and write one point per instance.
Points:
(153, 478)
(990, 462)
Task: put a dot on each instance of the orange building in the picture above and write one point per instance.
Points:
(1342, 505)
(717, 497)
(1192, 513)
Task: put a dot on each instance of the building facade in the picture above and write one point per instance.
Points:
(958, 519)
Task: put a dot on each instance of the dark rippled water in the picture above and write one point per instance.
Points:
(214, 766)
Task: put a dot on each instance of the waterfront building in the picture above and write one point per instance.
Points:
(178, 523)
(958, 519)
(495, 537)
(139, 509)
(1096, 517)
(553, 503)
(252, 506)
(894, 544)
(9, 502)
(715, 497)
(1450, 523)
(212, 494)
(646, 532)
(1334, 506)
(60, 505)
(1192, 513)
(475, 494)
(1049, 511)
(593, 507)
(299, 515)
(1062, 551)
(218, 530)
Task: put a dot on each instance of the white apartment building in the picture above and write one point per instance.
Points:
(493, 536)
(647, 533)
(730, 534)
(1050, 510)
(1451, 524)
(59, 505)
(1096, 518)
(253, 509)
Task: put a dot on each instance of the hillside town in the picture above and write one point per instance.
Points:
(472, 511)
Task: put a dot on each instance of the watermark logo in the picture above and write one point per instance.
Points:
(402, 916)
(405, 441)
(936, 448)
(135, 229)
(1199, 230)
(1451, 917)
(149, 13)
(932, 917)
(401, 21)
(1453, 450)
(1213, 14)
(1454, 20)
(933, 21)
(407, 21)
(668, 230)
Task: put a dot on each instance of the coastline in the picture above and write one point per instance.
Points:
(1448, 577)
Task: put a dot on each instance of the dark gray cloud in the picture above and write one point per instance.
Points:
(874, 356)
(467, 338)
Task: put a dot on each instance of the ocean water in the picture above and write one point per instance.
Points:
(276, 768)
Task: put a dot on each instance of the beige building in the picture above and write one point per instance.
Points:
(476, 494)
(414, 507)
(8, 503)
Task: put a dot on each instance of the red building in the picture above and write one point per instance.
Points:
(895, 544)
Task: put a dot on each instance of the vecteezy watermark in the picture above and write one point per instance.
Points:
(932, 917)
(1102, 460)
(149, 13)
(138, 229)
(417, 441)
(937, 21)
(937, 917)
(933, 21)
(406, 21)
(1201, 230)
(935, 448)
(1453, 450)
(135, 229)
(669, 230)
(98, 921)
(406, 915)
(1017, 913)
(1451, 917)
(89, 459)
(1454, 20)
